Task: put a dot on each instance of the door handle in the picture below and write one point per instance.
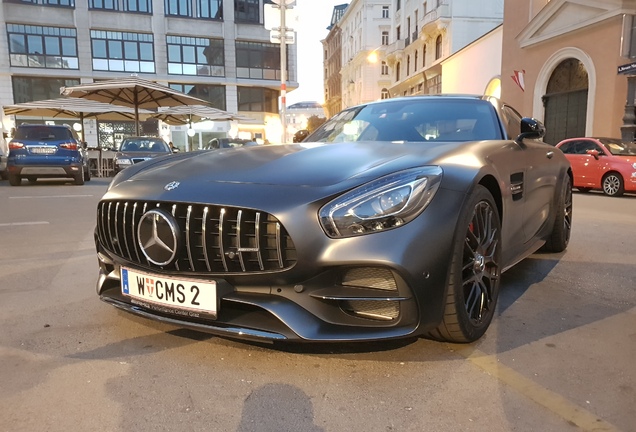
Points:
(549, 154)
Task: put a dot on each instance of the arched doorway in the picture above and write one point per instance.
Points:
(565, 101)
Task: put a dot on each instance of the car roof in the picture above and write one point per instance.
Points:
(32, 125)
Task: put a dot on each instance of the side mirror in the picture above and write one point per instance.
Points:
(594, 153)
(530, 129)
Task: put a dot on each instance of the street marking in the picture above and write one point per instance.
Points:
(567, 410)
(51, 196)
(23, 223)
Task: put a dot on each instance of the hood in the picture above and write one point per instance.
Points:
(306, 165)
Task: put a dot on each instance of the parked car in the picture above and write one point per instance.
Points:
(46, 151)
(139, 149)
(607, 164)
(393, 219)
(220, 143)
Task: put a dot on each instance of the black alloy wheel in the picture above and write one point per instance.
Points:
(475, 272)
(560, 236)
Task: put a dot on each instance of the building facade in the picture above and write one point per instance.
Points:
(216, 50)
(332, 60)
(561, 63)
(393, 48)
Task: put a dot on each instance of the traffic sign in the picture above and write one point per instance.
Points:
(627, 69)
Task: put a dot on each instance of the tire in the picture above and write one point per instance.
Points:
(87, 174)
(584, 189)
(15, 180)
(474, 276)
(79, 178)
(3, 175)
(613, 184)
(560, 235)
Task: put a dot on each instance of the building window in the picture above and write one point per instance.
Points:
(438, 47)
(397, 72)
(143, 6)
(398, 4)
(385, 12)
(385, 38)
(398, 33)
(64, 3)
(384, 94)
(28, 89)
(103, 4)
(246, 11)
(415, 62)
(214, 94)
(42, 47)
(632, 42)
(384, 68)
(123, 52)
(434, 85)
(257, 99)
(212, 9)
(258, 60)
(195, 56)
(424, 56)
(178, 8)
(424, 6)
(408, 65)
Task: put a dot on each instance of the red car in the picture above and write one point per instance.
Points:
(601, 163)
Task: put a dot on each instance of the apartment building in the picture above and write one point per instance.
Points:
(216, 50)
(395, 48)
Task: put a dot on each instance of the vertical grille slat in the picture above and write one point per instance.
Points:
(239, 222)
(257, 231)
(204, 243)
(221, 248)
(215, 239)
(187, 236)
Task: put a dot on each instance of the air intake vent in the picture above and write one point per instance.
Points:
(370, 277)
(384, 310)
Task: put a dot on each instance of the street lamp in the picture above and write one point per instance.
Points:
(191, 133)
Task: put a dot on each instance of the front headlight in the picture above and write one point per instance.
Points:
(123, 161)
(382, 204)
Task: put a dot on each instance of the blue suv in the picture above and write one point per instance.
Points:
(46, 151)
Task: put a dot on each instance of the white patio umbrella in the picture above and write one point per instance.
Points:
(185, 114)
(134, 92)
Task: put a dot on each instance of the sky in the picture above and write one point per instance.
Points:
(314, 16)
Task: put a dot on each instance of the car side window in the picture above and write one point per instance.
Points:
(569, 147)
(583, 146)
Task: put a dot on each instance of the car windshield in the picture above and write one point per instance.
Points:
(618, 148)
(413, 119)
(42, 133)
(144, 145)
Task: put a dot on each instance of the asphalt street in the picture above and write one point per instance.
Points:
(559, 355)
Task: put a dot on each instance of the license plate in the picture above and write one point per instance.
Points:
(170, 295)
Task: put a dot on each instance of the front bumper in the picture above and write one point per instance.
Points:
(323, 297)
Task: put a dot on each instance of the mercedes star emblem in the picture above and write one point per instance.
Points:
(172, 185)
(158, 236)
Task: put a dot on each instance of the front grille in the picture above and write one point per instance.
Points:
(214, 239)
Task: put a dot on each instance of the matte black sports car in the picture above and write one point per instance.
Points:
(393, 219)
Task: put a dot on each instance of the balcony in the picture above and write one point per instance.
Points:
(442, 12)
